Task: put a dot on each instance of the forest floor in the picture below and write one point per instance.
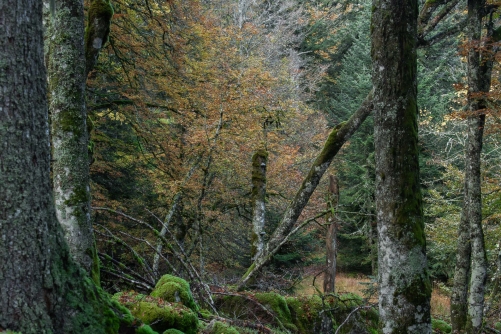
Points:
(363, 286)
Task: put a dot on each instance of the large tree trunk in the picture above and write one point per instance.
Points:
(70, 167)
(404, 285)
(42, 290)
(259, 162)
(337, 138)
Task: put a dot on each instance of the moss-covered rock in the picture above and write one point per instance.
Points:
(173, 331)
(145, 329)
(305, 312)
(159, 314)
(174, 289)
(277, 304)
(221, 328)
(440, 326)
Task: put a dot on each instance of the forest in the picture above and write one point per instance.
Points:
(250, 166)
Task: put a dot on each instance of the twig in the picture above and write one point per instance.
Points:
(351, 313)
(192, 272)
(264, 308)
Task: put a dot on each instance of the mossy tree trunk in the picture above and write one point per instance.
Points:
(70, 167)
(97, 31)
(259, 162)
(42, 290)
(339, 135)
(404, 285)
(471, 265)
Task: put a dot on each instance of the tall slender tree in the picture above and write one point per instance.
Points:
(70, 167)
(467, 300)
(42, 290)
(404, 285)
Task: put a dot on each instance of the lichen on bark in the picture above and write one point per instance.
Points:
(404, 286)
(259, 163)
(64, 36)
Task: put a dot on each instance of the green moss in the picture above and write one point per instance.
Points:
(278, 305)
(204, 314)
(96, 302)
(440, 326)
(222, 328)
(79, 196)
(95, 271)
(497, 326)
(159, 314)
(173, 331)
(305, 312)
(145, 329)
(174, 289)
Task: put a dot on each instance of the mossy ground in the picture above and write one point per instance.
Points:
(300, 314)
(170, 306)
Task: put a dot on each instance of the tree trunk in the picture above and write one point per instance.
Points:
(97, 32)
(471, 256)
(459, 296)
(472, 203)
(42, 290)
(331, 250)
(496, 279)
(259, 162)
(331, 238)
(339, 135)
(404, 285)
(70, 166)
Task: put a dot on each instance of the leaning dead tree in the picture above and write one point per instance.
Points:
(339, 135)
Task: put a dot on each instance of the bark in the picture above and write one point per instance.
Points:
(331, 250)
(337, 138)
(259, 162)
(70, 167)
(459, 296)
(471, 255)
(496, 279)
(404, 285)
(331, 238)
(42, 290)
(97, 31)
(479, 75)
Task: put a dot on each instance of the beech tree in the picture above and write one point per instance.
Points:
(66, 71)
(41, 288)
(404, 285)
(470, 276)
